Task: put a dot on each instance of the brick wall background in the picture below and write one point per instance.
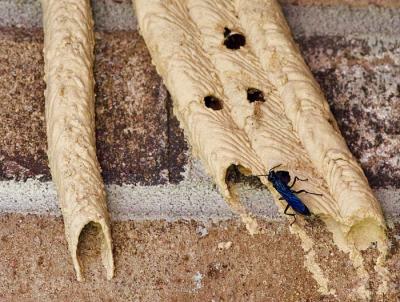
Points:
(353, 51)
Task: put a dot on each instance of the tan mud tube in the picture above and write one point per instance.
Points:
(68, 54)
(245, 97)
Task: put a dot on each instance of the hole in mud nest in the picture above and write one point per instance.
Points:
(233, 40)
(239, 174)
(213, 102)
(89, 247)
(255, 95)
(227, 31)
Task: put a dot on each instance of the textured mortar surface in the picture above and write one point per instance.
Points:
(355, 3)
(181, 261)
(323, 18)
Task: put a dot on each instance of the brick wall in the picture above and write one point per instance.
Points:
(150, 174)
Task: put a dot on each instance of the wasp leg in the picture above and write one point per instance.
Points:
(286, 213)
(290, 214)
(296, 178)
(304, 191)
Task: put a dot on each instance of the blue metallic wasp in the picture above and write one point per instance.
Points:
(280, 181)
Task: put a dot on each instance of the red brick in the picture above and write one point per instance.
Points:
(134, 123)
(138, 138)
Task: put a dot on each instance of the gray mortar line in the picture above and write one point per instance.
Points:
(304, 20)
(188, 200)
(343, 21)
(199, 201)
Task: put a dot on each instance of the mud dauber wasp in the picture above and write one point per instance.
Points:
(280, 181)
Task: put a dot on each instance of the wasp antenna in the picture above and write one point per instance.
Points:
(273, 168)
